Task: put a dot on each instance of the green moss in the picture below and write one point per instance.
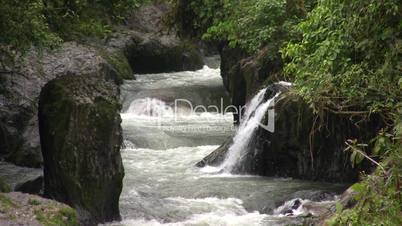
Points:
(4, 187)
(62, 217)
(6, 204)
(119, 62)
(33, 202)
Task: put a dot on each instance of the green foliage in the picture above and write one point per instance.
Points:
(33, 202)
(379, 199)
(193, 17)
(254, 24)
(22, 23)
(73, 19)
(247, 24)
(41, 23)
(6, 204)
(350, 56)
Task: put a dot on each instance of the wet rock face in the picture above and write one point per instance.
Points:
(81, 136)
(244, 75)
(217, 156)
(233, 83)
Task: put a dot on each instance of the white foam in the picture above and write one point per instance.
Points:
(285, 83)
(228, 175)
(205, 76)
(205, 219)
(150, 107)
(255, 112)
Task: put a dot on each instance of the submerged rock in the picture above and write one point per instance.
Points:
(81, 137)
(217, 156)
(24, 209)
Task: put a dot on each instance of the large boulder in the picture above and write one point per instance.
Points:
(153, 47)
(154, 56)
(21, 84)
(24, 209)
(300, 146)
(81, 137)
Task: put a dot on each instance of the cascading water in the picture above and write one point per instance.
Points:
(150, 107)
(161, 184)
(255, 112)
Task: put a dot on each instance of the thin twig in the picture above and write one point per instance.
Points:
(366, 156)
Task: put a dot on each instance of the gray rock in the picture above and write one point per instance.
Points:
(79, 117)
(217, 156)
(19, 94)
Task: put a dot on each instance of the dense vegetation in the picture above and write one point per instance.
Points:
(46, 23)
(344, 57)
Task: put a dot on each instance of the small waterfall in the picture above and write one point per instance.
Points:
(255, 112)
(150, 107)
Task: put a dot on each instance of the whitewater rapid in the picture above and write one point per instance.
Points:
(162, 186)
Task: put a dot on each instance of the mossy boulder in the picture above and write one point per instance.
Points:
(24, 209)
(81, 136)
(118, 61)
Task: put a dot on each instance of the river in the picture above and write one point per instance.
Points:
(163, 142)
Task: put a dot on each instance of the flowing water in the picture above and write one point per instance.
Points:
(164, 140)
(255, 112)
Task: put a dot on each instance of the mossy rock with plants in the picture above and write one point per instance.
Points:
(24, 209)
